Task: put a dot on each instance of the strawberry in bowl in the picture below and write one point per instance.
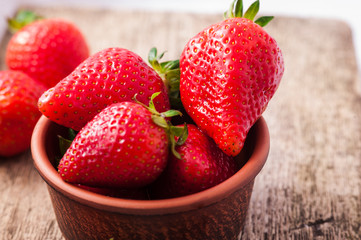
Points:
(229, 72)
(108, 76)
(124, 146)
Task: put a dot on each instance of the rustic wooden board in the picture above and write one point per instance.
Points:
(310, 188)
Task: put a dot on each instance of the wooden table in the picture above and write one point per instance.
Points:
(310, 187)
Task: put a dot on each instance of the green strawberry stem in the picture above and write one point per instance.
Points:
(21, 19)
(236, 10)
(177, 134)
(170, 73)
(64, 144)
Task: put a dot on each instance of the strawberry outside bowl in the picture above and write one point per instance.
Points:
(215, 213)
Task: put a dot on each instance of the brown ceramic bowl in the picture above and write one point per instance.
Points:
(216, 213)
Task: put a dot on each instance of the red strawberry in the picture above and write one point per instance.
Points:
(229, 72)
(124, 146)
(18, 112)
(109, 76)
(202, 165)
(47, 50)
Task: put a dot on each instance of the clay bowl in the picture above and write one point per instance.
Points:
(216, 213)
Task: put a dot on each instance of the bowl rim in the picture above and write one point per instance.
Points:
(149, 207)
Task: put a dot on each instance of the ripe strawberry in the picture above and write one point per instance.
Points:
(46, 49)
(229, 72)
(109, 76)
(18, 112)
(202, 165)
(124, 146)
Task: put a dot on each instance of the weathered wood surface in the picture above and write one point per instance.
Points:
(310, 188)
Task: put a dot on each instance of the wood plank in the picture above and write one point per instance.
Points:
(310, 188)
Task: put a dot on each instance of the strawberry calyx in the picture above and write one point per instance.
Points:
(21, 19)
(64, 143)
(177, 135)
(170, 73)
(236, 10)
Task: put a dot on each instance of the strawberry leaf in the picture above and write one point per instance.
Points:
(236, 10)
(152, 55)
(72, 134)
(174, 152)
(160, 56)
(252, 11)
(21, 19)
(178, 131)
(183, 135)
(64, 144)
(153, 59)
(170, 65)
(171, 113)
(151, 103)
(263, 21)
(160, 121)
(151, 107)
(170, 73)
(230, 13)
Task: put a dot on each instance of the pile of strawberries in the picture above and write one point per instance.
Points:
(39, 55)
(162, 130)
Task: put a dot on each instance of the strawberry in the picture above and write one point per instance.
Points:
(46, 49)
(124, 146)
(202, 165)
(229, 72)
(18, 111)
(109, 76)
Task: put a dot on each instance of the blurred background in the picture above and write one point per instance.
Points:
(346, 10)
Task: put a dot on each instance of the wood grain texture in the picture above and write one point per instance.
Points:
(310, 188)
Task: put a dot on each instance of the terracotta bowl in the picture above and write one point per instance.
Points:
(216, 213)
